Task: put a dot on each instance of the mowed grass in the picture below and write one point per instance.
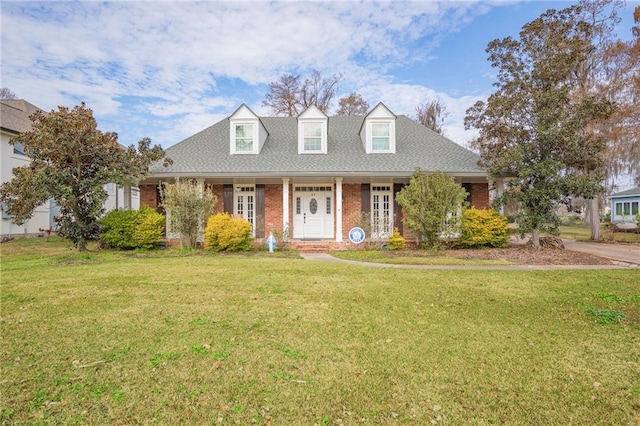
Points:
(183, 338)
(582, 232)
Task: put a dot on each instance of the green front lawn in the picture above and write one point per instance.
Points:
(182, 338)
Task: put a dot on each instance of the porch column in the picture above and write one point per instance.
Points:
(127, 195)
(338, 209)
(285, 206)
(200, 238)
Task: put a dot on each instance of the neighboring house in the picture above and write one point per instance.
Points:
(14, 118)
(315, 177)
(624, 207)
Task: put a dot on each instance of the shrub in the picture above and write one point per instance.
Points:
(396, 241)
(483, 228)
(132, 229)
(150, 228)
(226, 233)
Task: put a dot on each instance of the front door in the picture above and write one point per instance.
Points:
(313, 212)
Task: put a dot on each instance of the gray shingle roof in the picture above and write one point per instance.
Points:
(14, 115)
(627, 193)
(207, 152)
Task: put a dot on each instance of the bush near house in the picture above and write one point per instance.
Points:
(226, 233)
(396, 241)
(132, 229)
(483, 228)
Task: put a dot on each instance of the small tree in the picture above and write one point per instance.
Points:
(428, 203)
(71, 161)
(188, 205)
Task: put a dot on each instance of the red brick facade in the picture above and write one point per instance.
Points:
(352, 206)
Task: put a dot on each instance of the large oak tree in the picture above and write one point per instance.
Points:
(533, 128)
(71, 161)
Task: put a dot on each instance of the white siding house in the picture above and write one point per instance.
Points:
(14, 118)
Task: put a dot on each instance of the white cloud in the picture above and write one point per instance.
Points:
(169, 57)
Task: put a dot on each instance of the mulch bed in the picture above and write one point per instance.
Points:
(517, 254)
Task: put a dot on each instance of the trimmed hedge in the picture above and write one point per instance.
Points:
(226, 233)
(483, 228)
(132, 229)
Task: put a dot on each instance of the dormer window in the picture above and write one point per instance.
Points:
(244, 137)
(246, 132)
(312, 137)
(379, 131)
(380, 136)
(312, 131)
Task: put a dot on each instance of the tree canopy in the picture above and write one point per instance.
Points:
(71, 161)
(533, 128)
(353, 104)
(431, 114)
(289, 97)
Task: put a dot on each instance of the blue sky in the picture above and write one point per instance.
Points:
(167, 70)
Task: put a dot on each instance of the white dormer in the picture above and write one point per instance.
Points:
(378, 131)
(246, 132)
(312, 131)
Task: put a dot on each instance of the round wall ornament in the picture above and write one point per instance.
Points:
(356, 235)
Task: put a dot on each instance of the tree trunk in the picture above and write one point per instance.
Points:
(535, 238)
(82, 246)
(593, 217)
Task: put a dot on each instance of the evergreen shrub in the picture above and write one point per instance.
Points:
(226, 233)
(483, 228)
(132, 229)
(396, 241)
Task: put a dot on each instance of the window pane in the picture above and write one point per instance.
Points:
(618, 209)
(626, 209)
(312, 130)
(312, 137)
(380, 144)
(380, 129)
(18, 148)
(634, 208)
(380, 136)
(244, 137)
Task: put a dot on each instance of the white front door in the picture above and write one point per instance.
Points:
(313, 212)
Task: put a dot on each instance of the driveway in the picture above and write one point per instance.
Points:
(627, 253)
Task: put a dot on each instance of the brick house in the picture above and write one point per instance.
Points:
(315, 176)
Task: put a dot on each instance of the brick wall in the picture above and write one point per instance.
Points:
(480, 195)
(273, 208)
(351, 208)
(149, 196)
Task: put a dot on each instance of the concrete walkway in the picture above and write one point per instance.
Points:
(623, 255)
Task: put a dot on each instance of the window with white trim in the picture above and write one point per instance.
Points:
(244, 138)
(244, 205)
(380, 137)
(627, 208)
(381, 211)
(312, 137)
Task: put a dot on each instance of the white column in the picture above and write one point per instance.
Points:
(200, 183)
(285, 206)
(338, 209)
(127, 195)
